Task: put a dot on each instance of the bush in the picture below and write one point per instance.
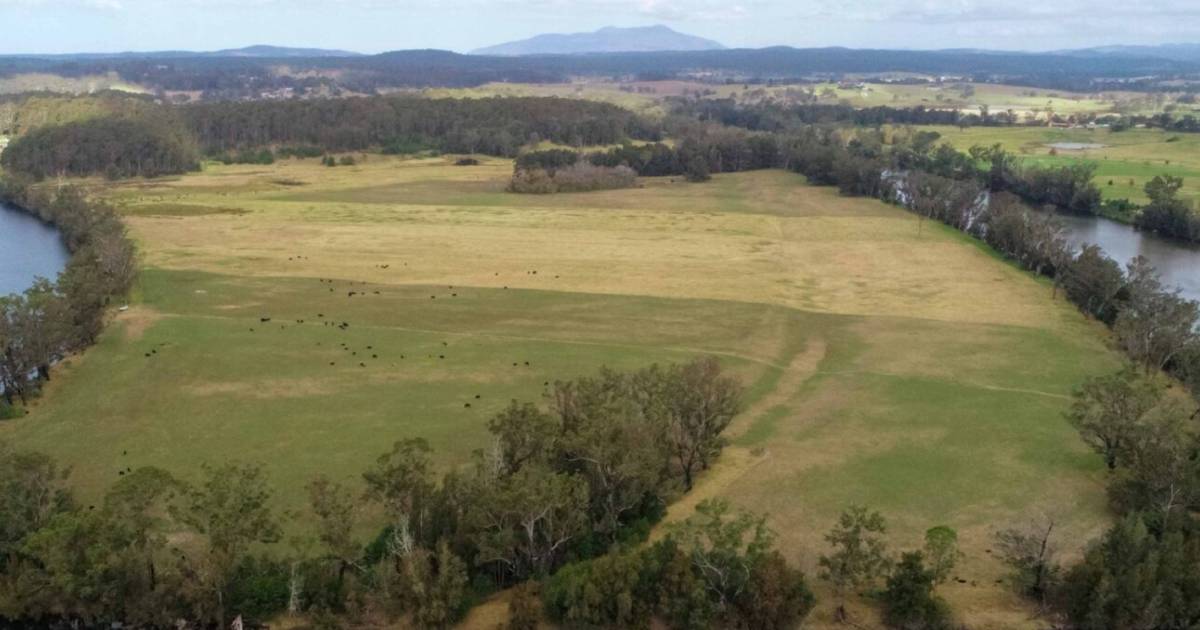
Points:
(259, 589)
(549, 161)
(909, 602)
(466, 162)
(532, 182)
(584, 177)
(580, 177)
(776, 596)
(524, 609)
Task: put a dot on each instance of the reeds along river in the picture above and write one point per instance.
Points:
(29, 249)
(1178, 263)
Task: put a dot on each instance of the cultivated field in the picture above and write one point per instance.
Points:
(908, 370)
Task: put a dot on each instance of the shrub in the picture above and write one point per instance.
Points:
(584, 177)
(524, 609)
(909, 602)
(259, 589)
(532, 182)
(776, 595)
(580, 177)
(549, 161)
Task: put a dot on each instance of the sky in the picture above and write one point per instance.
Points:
(371, 26)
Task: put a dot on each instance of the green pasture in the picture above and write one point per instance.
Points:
(908, 369)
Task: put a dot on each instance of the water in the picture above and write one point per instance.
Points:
(1178, 263)
(1075, 146)
(28, 249)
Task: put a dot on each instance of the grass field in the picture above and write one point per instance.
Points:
(911, 371)
(1137, 155)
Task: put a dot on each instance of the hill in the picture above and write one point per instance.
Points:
(1173, 52)
(605, 40)
(256, 52)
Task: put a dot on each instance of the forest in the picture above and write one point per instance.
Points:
(146, 142)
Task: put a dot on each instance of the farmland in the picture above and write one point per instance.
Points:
(1125, 161)
(909, 370)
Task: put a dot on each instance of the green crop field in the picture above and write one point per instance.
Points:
(909, 370)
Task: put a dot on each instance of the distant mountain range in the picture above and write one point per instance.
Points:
(606, 40)
(1174, 52)
(249, 52)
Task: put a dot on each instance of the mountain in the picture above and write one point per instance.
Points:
(606, 40)
(1173, 52)
(277, 52)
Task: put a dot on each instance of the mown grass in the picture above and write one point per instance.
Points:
(907, 369)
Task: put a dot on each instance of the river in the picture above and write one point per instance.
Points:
(1178, 263)
(28, 249)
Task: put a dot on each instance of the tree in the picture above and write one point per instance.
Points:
(697, 404)
(32, 492)
(1093, 281)
(231, 508)
(908, 600)
(335, 511)
(522, 523)
(609, 440)
(1108, 411)
(941, 549)
(524, 434)
(724, 547)
(859, 555)
(402, 483)
(1136, 578)
(1030, 552)
(1166, 214)
(434, 586)
(1161, 476)
(1155, 325)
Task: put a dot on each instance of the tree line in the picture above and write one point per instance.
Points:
(168, 139)
(53, 319)
(566, 494)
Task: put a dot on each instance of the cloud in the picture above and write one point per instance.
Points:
(958, 11)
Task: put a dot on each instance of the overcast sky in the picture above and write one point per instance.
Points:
(49, 26)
